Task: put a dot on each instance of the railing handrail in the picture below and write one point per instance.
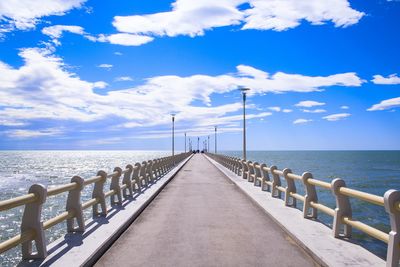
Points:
(35, 199)
(342, 213)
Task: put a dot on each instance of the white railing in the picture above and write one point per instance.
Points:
(135, 179)
(269, 179)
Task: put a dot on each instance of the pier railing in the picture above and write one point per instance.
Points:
(269, 179)
(135, 178)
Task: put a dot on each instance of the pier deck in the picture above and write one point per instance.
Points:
(202, 219)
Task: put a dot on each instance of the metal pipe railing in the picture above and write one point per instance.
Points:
(31, 231)
(260, 175)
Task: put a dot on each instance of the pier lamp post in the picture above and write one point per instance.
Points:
(198, 140)
(185, 142)
(208, 143)
(215, 140)
(173, 133)
(244, 92)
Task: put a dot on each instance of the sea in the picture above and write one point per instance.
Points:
(369, 171)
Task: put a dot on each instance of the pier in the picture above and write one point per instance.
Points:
(202, 219)
(200, 210)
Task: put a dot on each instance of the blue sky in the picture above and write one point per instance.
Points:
(78, 74)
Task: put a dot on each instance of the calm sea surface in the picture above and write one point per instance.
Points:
(369, 171)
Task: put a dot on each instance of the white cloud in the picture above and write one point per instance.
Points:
(125, 39)
(11, 123)
(314, 110)
(42, 88)
(123, 79)
(286, 110)
(336, 117)
(386, 104)
(309, 104)
(344, 107)
(301, 121)
(192, 18)
(25, 14)
(118, 53)
(391, 79)
(25, 134)
(100, 85)
(280, 15)
(105, 66)
(56, 31)
(276, 109)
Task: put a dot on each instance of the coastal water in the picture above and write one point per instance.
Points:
(373, 172)
(20, 169)
(369, 171)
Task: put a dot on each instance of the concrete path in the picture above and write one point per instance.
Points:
(202, 219)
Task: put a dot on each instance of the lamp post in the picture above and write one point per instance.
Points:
(173, 133)
(185, 142)
(198, 140)
(215, 140)
(208, 144)
(244, 91)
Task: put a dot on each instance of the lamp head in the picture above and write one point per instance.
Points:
(244, 89)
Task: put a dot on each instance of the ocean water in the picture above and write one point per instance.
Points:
(373, 172)
(369, 171)
(20, 169)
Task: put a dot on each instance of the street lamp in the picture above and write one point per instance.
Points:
(185, 142)
(215, 140)
(198, 140)
(173, 133)
(244, 91)
(208, 144)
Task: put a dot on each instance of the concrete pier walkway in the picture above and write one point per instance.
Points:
(202, 219)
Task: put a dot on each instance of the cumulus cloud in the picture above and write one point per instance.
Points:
(344, 107)
(125, 39)
(123, 79)
(301, 121)
(386, 104)
(336, 117)
(391, 79)
(25, 134)
(105, 66)
(193, 18)
(25, 14)
(44, 89)
(276, 109)
(100, 84)
(314, 110)
(309, 104)
(286, 110)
